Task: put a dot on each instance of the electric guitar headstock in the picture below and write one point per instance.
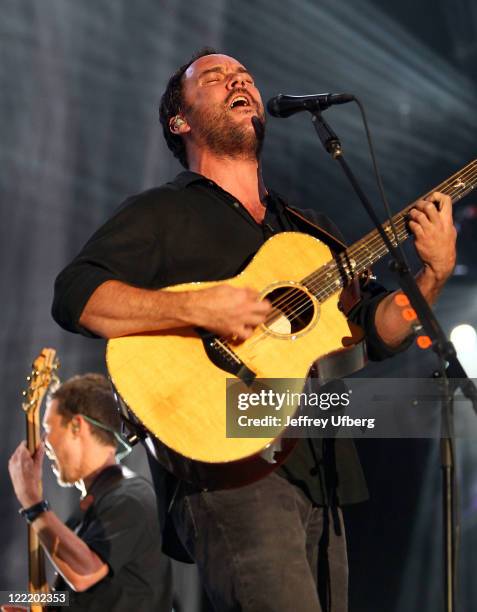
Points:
(43, 375)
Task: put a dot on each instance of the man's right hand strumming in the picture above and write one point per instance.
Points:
(229, 311)
(117, 309)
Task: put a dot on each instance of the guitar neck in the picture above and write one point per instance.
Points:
(36, 558)
(371, 248)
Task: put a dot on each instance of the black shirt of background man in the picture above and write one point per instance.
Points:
(121, 526)
(192, 230)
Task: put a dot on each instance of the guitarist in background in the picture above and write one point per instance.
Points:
(277, 544)
(108, 556)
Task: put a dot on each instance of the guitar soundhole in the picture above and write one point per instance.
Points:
(294, 310)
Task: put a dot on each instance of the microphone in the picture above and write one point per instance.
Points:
(284, 106)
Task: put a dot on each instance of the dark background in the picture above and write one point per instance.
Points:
(79, 90)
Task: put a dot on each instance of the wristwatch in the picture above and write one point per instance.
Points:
(33, 512)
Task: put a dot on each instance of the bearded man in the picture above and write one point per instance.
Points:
(277, 544)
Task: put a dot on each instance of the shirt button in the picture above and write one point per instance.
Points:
(236, 205)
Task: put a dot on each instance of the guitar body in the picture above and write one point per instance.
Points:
(168, 380)
(174, 381)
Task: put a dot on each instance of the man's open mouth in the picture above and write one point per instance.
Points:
(239, 102)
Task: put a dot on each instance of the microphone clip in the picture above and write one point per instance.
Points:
(328, 137)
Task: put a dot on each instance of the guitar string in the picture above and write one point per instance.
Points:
(291, 299)
(340, 271)
(324, 293)
(373, 238)
(329, 290)
(376, 237)
(355, 251)
(333, 267)
(365, 240)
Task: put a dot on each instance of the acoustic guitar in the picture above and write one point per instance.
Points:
(42, 375)
(174, 381)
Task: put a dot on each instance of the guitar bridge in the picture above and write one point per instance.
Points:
(221, 355)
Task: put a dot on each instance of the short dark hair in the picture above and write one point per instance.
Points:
(171, 104)
(90, 395)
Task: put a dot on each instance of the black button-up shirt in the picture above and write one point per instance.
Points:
(139, 575)
(192, 230)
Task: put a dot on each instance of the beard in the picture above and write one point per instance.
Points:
(227, 137)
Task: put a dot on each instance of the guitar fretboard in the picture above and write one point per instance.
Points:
(335, 274)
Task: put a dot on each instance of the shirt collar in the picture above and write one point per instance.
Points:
(187, 177)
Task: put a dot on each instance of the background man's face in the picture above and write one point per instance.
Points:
(63, 447)
(220, 100)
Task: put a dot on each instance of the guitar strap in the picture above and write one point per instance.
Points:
(308, 227)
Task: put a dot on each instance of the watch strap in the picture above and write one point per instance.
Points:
(33, 512)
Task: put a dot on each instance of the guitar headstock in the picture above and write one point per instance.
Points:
(43, 374)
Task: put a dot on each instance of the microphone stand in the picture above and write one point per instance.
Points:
(450, 368)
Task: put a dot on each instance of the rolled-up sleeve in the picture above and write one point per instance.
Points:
(363, 314)
(125, 248)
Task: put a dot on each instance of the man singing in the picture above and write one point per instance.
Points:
(277, 544)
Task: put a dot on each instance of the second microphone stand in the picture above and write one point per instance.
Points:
(450, 369)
